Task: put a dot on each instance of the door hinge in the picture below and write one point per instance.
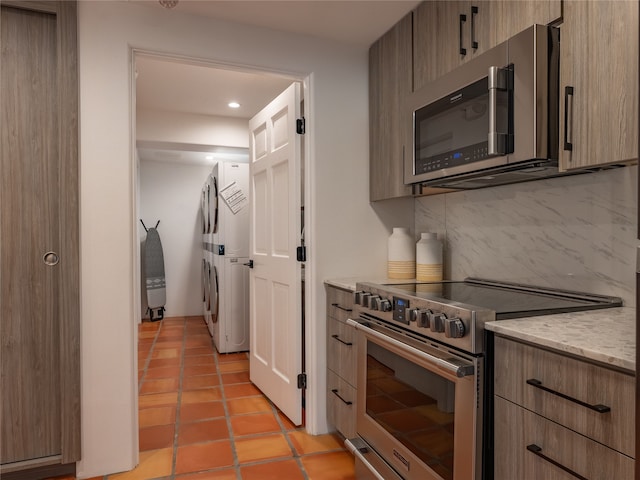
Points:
(301, 253)
(300, 126)
(302, 381)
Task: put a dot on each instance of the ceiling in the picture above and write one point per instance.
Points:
(359, 22)
(167, 84)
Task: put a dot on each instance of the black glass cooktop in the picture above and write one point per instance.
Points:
(508, 300)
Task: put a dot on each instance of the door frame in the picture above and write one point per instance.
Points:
(313, 394)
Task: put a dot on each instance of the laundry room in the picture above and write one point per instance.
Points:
(192, 119)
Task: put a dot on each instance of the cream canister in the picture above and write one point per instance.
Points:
(429, 258)
(401, 260)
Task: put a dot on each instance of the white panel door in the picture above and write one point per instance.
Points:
(274, 281)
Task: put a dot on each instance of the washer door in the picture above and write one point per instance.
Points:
(203, 210)
(203, 281)
(214, 295)
(208, 208)
(213, 205)
(207, 287)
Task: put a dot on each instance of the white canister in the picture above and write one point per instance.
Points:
(401, 260)
(429, 258)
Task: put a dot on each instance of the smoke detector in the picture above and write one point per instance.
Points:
(168, 3)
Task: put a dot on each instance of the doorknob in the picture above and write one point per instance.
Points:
(250, 264)
(51, 259)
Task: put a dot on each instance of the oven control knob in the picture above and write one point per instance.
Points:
(436, 322)
(423, 318)
(364, 299)
(357, 297)
(454, 328)
(373, 302)
(384, 305)
(416, 314)
(376, 302)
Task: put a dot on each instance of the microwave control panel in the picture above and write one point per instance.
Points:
(464, 156)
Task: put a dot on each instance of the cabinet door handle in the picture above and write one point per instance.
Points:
(568, 92)
(536, 450)
(348, 344)
(596, 408)
(474, 12)
(463, 19)
(348, 310)
(335, 392)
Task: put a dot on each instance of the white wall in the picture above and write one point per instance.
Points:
(177, 127)
(345, 235)
(574, 233)
(170, 192)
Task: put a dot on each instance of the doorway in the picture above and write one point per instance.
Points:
(180, 131)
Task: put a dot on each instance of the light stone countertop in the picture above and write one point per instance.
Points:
(606, 336)
(350, 283)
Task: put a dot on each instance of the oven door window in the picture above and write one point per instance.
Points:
(453, 131)
(413, 405)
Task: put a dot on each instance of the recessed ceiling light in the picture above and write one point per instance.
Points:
(234, 105)
(209, 157)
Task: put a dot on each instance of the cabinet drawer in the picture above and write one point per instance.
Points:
(581, 383)
(339, 303)
(517, 428)
(341, 405)
(341, 351)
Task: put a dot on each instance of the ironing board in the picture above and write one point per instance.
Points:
(154, 274)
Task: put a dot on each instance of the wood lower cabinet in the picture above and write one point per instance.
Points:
(598, 83)
(554, 414)
(39, 253)
(531, 447)
(390, 81)
(341, 362)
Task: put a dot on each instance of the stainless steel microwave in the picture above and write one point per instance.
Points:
(491, 121)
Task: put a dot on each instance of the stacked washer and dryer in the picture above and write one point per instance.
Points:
(225, 274)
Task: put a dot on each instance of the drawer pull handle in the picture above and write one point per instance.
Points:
(348, 344)
(348, 310)
(536, 450)
(596, 408)
(335, 392)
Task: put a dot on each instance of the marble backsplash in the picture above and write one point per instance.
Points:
(575, 233)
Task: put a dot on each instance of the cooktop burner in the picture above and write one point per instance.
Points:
(507, 300)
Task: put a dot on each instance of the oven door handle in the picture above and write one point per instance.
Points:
(376, 467)
(458, 370)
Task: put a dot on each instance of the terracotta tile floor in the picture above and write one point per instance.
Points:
(200, 418)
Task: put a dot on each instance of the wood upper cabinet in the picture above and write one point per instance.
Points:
(598, 83)
(447, 34)
(511, 17)
(439, 34)
(390, 81)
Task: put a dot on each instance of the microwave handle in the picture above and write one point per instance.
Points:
(498, 80)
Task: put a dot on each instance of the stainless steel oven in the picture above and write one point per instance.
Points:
(423, 373)
(418, 402)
